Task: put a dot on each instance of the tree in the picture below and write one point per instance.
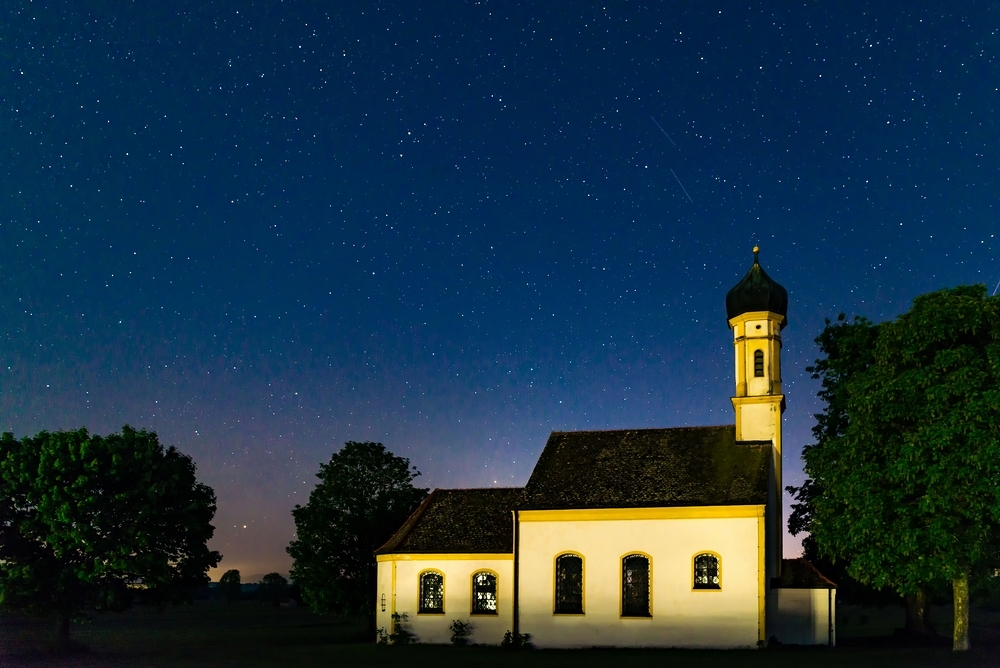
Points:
(365, 493)
(230, 586)
(86, 523)
(910, 487)
(272, 588)
(847, 348)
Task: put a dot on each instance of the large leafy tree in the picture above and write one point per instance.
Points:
(364, 494)
(847, 348)
(88, 522)
(910, 488)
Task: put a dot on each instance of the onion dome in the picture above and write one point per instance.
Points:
(757, 292)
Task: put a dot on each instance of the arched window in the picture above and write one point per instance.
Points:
(569, 584)
(431, 592)
(635, 586)
(758, 363)
(707, 574)
(484, 593)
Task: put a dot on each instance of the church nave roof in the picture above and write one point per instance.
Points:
(459, 521)
(648, 468)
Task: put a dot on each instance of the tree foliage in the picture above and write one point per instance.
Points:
(847, 348)
(272, 589)
(231, 586)
(87, 522)
(909, 472)
(364, 494)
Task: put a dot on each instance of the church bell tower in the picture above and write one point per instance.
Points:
(757, 309)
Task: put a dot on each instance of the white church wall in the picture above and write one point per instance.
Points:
(403, 590)
(681, 616)
(383, 595)
(758, 419)
(803, 616)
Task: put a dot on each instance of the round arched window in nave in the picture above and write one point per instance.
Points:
(707, 574)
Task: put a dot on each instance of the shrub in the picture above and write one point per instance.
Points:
(400, 634)
(460, 632)
(521, 641)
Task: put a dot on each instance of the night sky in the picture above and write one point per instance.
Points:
(262, 231)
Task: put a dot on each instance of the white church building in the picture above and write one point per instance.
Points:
(627, 538)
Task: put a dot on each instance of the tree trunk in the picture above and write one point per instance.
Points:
(918, 617)
(960, 639)
(62, 632)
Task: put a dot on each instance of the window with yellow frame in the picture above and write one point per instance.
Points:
(569, 584)
(431, 593)
(707, 572)
(484, 593)
(636, 586)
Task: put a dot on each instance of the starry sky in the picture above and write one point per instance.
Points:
(264, 229)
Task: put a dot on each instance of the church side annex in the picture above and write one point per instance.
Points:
(627, 538)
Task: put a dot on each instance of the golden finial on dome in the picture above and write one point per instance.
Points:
(756, 248)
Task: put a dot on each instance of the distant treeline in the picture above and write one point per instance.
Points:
(272, 588)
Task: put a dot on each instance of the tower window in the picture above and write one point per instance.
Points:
(569, 585)
(758, 363)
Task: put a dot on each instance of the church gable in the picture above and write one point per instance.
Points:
(459, 521)
(644, 468)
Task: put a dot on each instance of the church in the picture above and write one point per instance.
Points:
(627, 538)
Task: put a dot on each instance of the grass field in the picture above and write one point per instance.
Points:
(248, 634)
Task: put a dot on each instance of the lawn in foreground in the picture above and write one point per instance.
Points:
(248, 634)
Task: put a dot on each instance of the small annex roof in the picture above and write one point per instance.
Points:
(459, 521)
(645, 468)
(800, 574)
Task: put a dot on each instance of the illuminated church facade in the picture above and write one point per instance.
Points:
(627, 538)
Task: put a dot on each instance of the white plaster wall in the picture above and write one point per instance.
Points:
(824, 624)
(681, 616)
(383, 619)
(759, 421)
(433, 628)
(802, 616)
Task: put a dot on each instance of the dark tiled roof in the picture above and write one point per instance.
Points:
(637, 468)
(757, 292)
(800, 574)
(460, 521)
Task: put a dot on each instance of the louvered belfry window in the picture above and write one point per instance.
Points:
(484, 594)
(706, 572)
(758, 363)
(569, 585)
(635, 586)
(431, 592)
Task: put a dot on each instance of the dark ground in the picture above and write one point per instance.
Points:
(249, 634)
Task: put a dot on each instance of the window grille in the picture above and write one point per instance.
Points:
(635, 586)
(706, 572)
(569, 584)
(484, 594)
(432, 592)
(758, 363)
